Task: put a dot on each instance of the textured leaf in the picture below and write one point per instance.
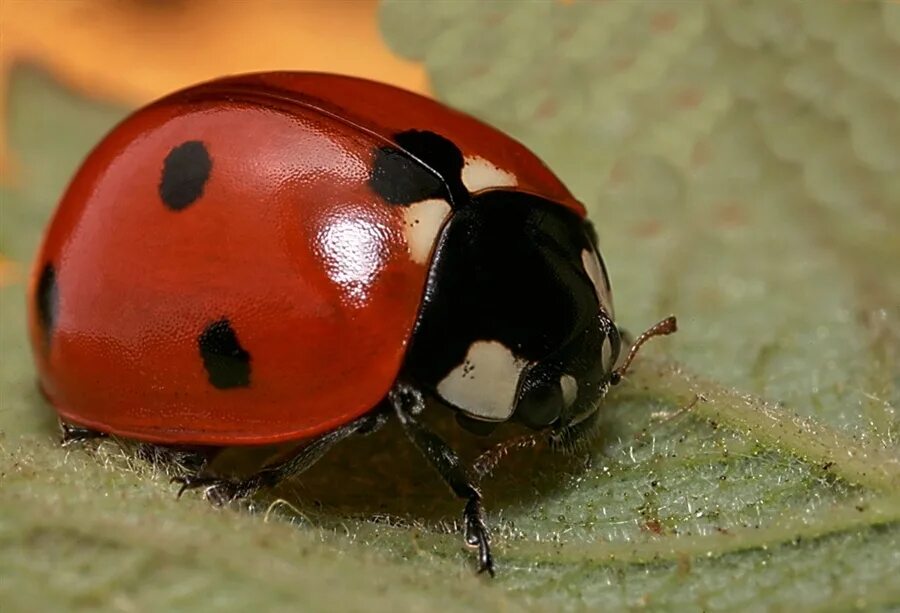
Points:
(741, 164)
(740, 161)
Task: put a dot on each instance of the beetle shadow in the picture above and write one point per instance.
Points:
(382, 475)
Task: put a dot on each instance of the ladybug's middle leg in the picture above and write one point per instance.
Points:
(408, 402)
(219, 490)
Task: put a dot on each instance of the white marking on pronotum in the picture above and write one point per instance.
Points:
(594, 270)
(479, 174)
(569, 386)
(423, 221)
(484, 385)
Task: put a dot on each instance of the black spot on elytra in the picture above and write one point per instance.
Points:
(47, 300)
(399, 179)
(437, 152)
(184, 175)
(399, 176)
(227, 363)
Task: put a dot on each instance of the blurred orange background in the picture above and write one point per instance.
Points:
(132, 51)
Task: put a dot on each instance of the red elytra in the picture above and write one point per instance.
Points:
(286, 250)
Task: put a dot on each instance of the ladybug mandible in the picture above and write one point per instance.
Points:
(292, 256)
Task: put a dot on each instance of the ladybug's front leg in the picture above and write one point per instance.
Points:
(408, 402)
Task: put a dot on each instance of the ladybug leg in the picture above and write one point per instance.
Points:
(408, 402)
(179, 460)
(577, 437)
(487, 461)
(74, 435)
(571, 439)
(221, 491)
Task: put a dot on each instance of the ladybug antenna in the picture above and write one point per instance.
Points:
(663, 328)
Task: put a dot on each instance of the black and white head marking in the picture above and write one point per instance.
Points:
(508, 297)
(511, 324)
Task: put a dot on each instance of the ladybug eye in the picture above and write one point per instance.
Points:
(543, 395)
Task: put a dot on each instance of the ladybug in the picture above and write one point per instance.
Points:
(292, 256)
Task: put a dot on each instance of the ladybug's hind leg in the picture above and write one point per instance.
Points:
(408, 402)
(220, 491)
(75, 435)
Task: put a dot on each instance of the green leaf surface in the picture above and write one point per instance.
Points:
(741, 163)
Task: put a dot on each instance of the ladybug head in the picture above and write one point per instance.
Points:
(517, 320)
(565, 388)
